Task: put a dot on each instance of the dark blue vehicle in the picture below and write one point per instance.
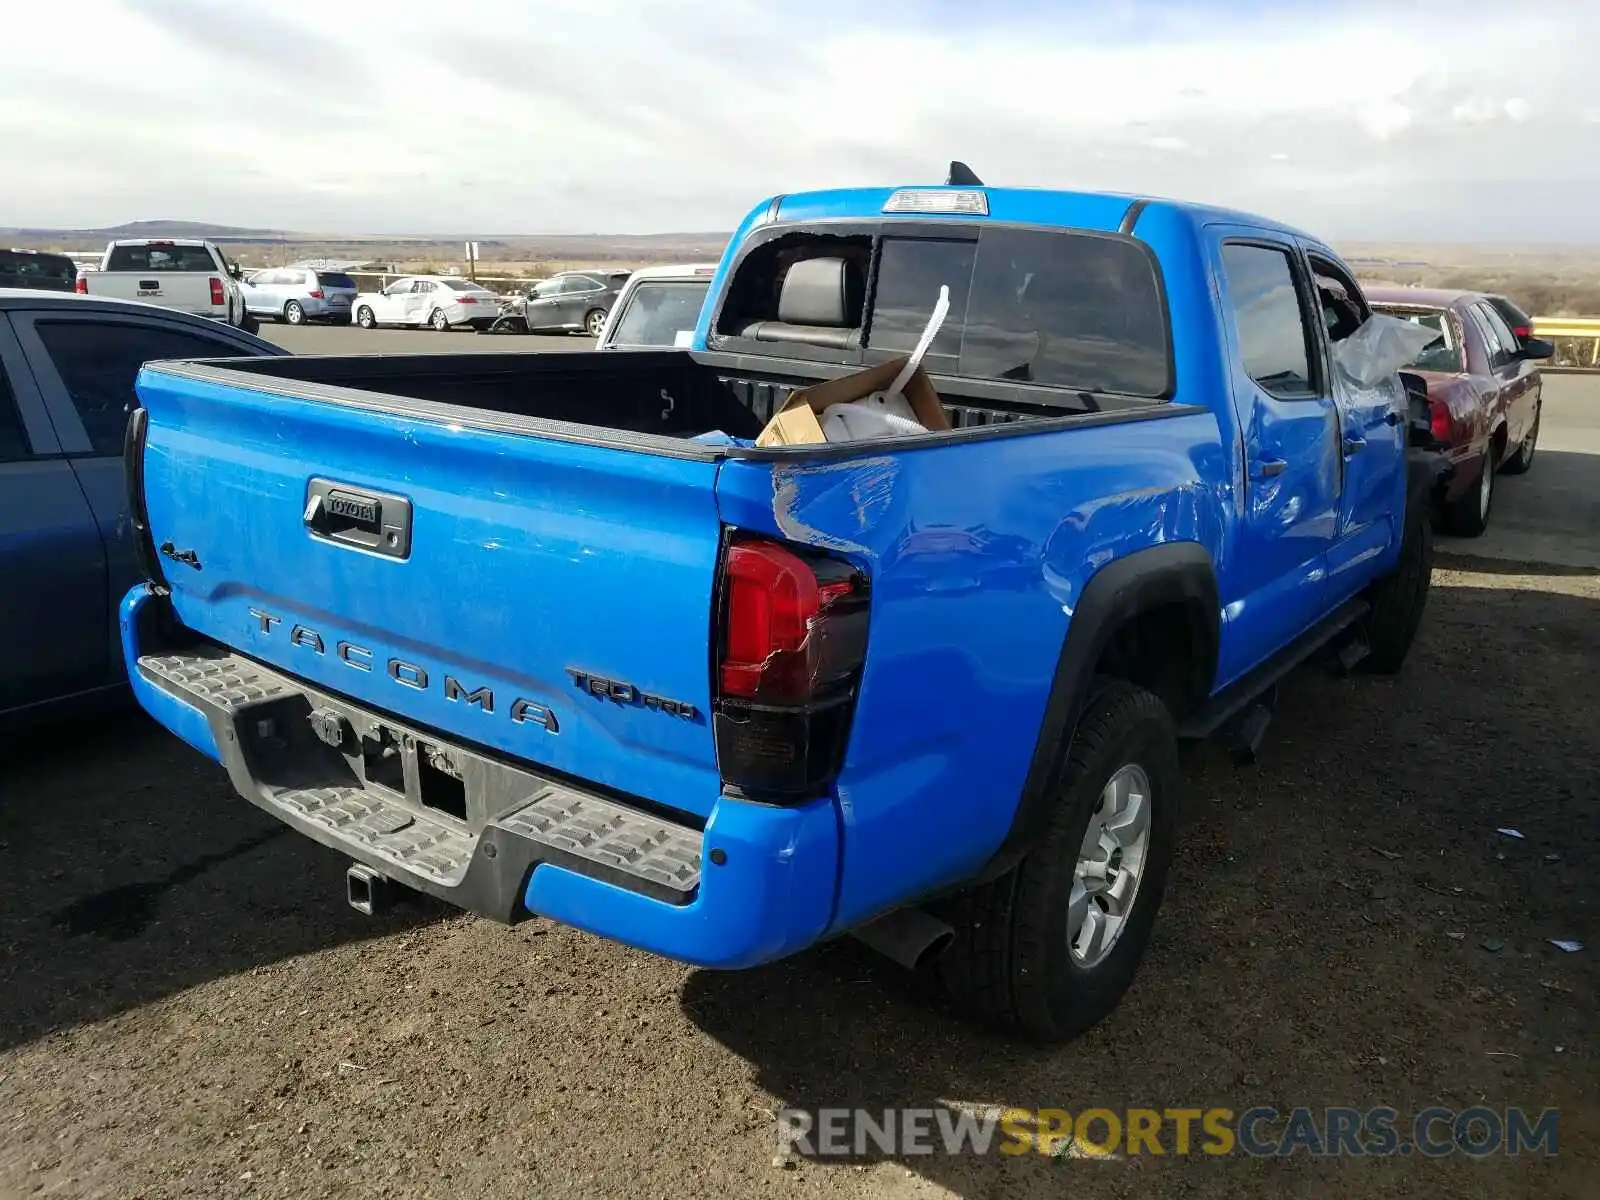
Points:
(67, 368)
(499, 629)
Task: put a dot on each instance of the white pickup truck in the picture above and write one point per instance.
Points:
(184, 274)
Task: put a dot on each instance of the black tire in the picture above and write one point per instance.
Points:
(365, 319)
(1469, 516)
(594, 321)
(1519, 462)
(438, 321)
(293, 314)
(1399, 599)
(250, 324)
(1011, 963)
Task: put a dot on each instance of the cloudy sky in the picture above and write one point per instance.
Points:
(1468, 121)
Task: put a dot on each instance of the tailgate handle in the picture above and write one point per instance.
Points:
(378, 522)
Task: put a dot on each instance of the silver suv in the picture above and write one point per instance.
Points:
(299, 294)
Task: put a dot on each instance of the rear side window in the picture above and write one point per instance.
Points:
(335, 279)
(1519, 322)
(13, 438)
(161, 258)
(1274, 336)
(657, 311)
(1502, 337)
(99, 360)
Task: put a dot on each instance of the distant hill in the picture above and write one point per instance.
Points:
(151, 229)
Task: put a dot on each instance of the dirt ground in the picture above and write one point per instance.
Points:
(187, 1007)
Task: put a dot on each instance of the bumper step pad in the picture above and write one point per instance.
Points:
(261, 720)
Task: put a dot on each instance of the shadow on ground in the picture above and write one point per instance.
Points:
(1344, 926)
(133, 870)
(1549, 517)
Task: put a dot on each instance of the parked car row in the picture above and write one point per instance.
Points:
(573, 301)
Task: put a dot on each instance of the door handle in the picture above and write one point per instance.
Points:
(1268, 468)
(1354, 445)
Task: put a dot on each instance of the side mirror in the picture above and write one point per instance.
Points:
(1538, 348)
(235, 271)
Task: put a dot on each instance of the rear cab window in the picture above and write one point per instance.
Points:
(657, 310)
(1062, 308)
(25, 269)
(162, 257)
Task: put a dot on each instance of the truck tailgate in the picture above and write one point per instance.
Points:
(181, 290)
(547, 599)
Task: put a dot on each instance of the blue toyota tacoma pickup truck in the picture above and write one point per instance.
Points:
(500, 629)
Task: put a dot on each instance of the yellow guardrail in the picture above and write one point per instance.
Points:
(1578, 327)
(1577, 341)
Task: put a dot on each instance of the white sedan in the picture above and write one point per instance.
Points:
(439, 301)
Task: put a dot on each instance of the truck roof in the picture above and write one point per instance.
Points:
(1035, 206)
(676, 271)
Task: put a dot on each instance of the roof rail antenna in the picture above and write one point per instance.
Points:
(962, 175)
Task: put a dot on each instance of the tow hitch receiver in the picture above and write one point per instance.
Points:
(367, 891)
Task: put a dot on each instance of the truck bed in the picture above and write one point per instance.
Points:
(480, 582)
(652, 400)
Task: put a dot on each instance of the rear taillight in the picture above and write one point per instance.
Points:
(216, 292)
(315, 293)
(1523, 331)
(791, 641)
(1439, 421)
(81, 287)
(466, 299)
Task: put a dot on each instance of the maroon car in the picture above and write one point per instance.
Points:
(1483, 394)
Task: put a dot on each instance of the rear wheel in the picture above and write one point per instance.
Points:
(364, 317)
(1050, 947)
(293, 313)
(439, 321)
(594, 322)
(1469, 516)
(1519, 462)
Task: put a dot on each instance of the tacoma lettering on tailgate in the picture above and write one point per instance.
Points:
(410, 674)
